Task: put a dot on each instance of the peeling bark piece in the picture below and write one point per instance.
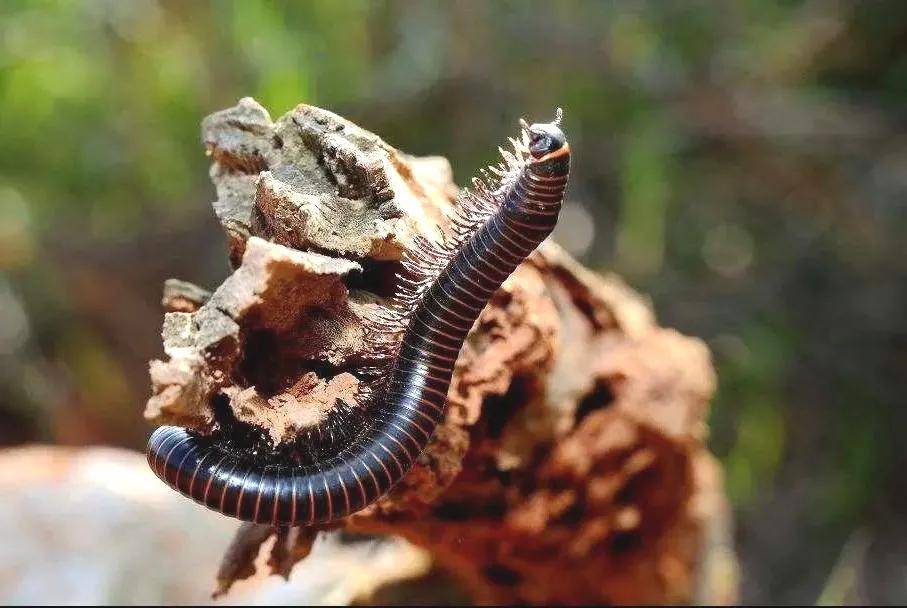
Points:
(571, 467)
(313, 180)
(279, 310)
(182, 296)
(180, 392)
(240, 141)
(238, 561)
(291, 546)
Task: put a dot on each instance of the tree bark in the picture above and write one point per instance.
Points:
(571, 467)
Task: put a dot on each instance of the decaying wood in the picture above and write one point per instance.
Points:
(571, 466)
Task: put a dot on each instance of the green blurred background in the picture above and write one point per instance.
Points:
(744, 163)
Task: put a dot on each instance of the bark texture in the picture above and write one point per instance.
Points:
(571, 467)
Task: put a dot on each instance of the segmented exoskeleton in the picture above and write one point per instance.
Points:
(499, 223)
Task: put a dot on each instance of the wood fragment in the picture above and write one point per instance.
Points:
(182, 296)
(571, 467)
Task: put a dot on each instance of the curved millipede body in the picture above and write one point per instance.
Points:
(504, 222)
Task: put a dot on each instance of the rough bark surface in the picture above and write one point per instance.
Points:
(571, 466)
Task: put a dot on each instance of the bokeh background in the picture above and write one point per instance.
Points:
(743, 163)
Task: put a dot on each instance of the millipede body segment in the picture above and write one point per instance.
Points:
(500, 223)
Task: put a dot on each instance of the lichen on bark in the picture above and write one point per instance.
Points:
(571, 466)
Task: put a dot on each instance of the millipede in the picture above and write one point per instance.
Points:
(497, 224)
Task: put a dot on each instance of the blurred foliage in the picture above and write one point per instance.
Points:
(744, 163)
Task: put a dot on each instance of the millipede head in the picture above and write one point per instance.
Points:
(545, 138)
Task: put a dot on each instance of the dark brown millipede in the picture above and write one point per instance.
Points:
(500, 223)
